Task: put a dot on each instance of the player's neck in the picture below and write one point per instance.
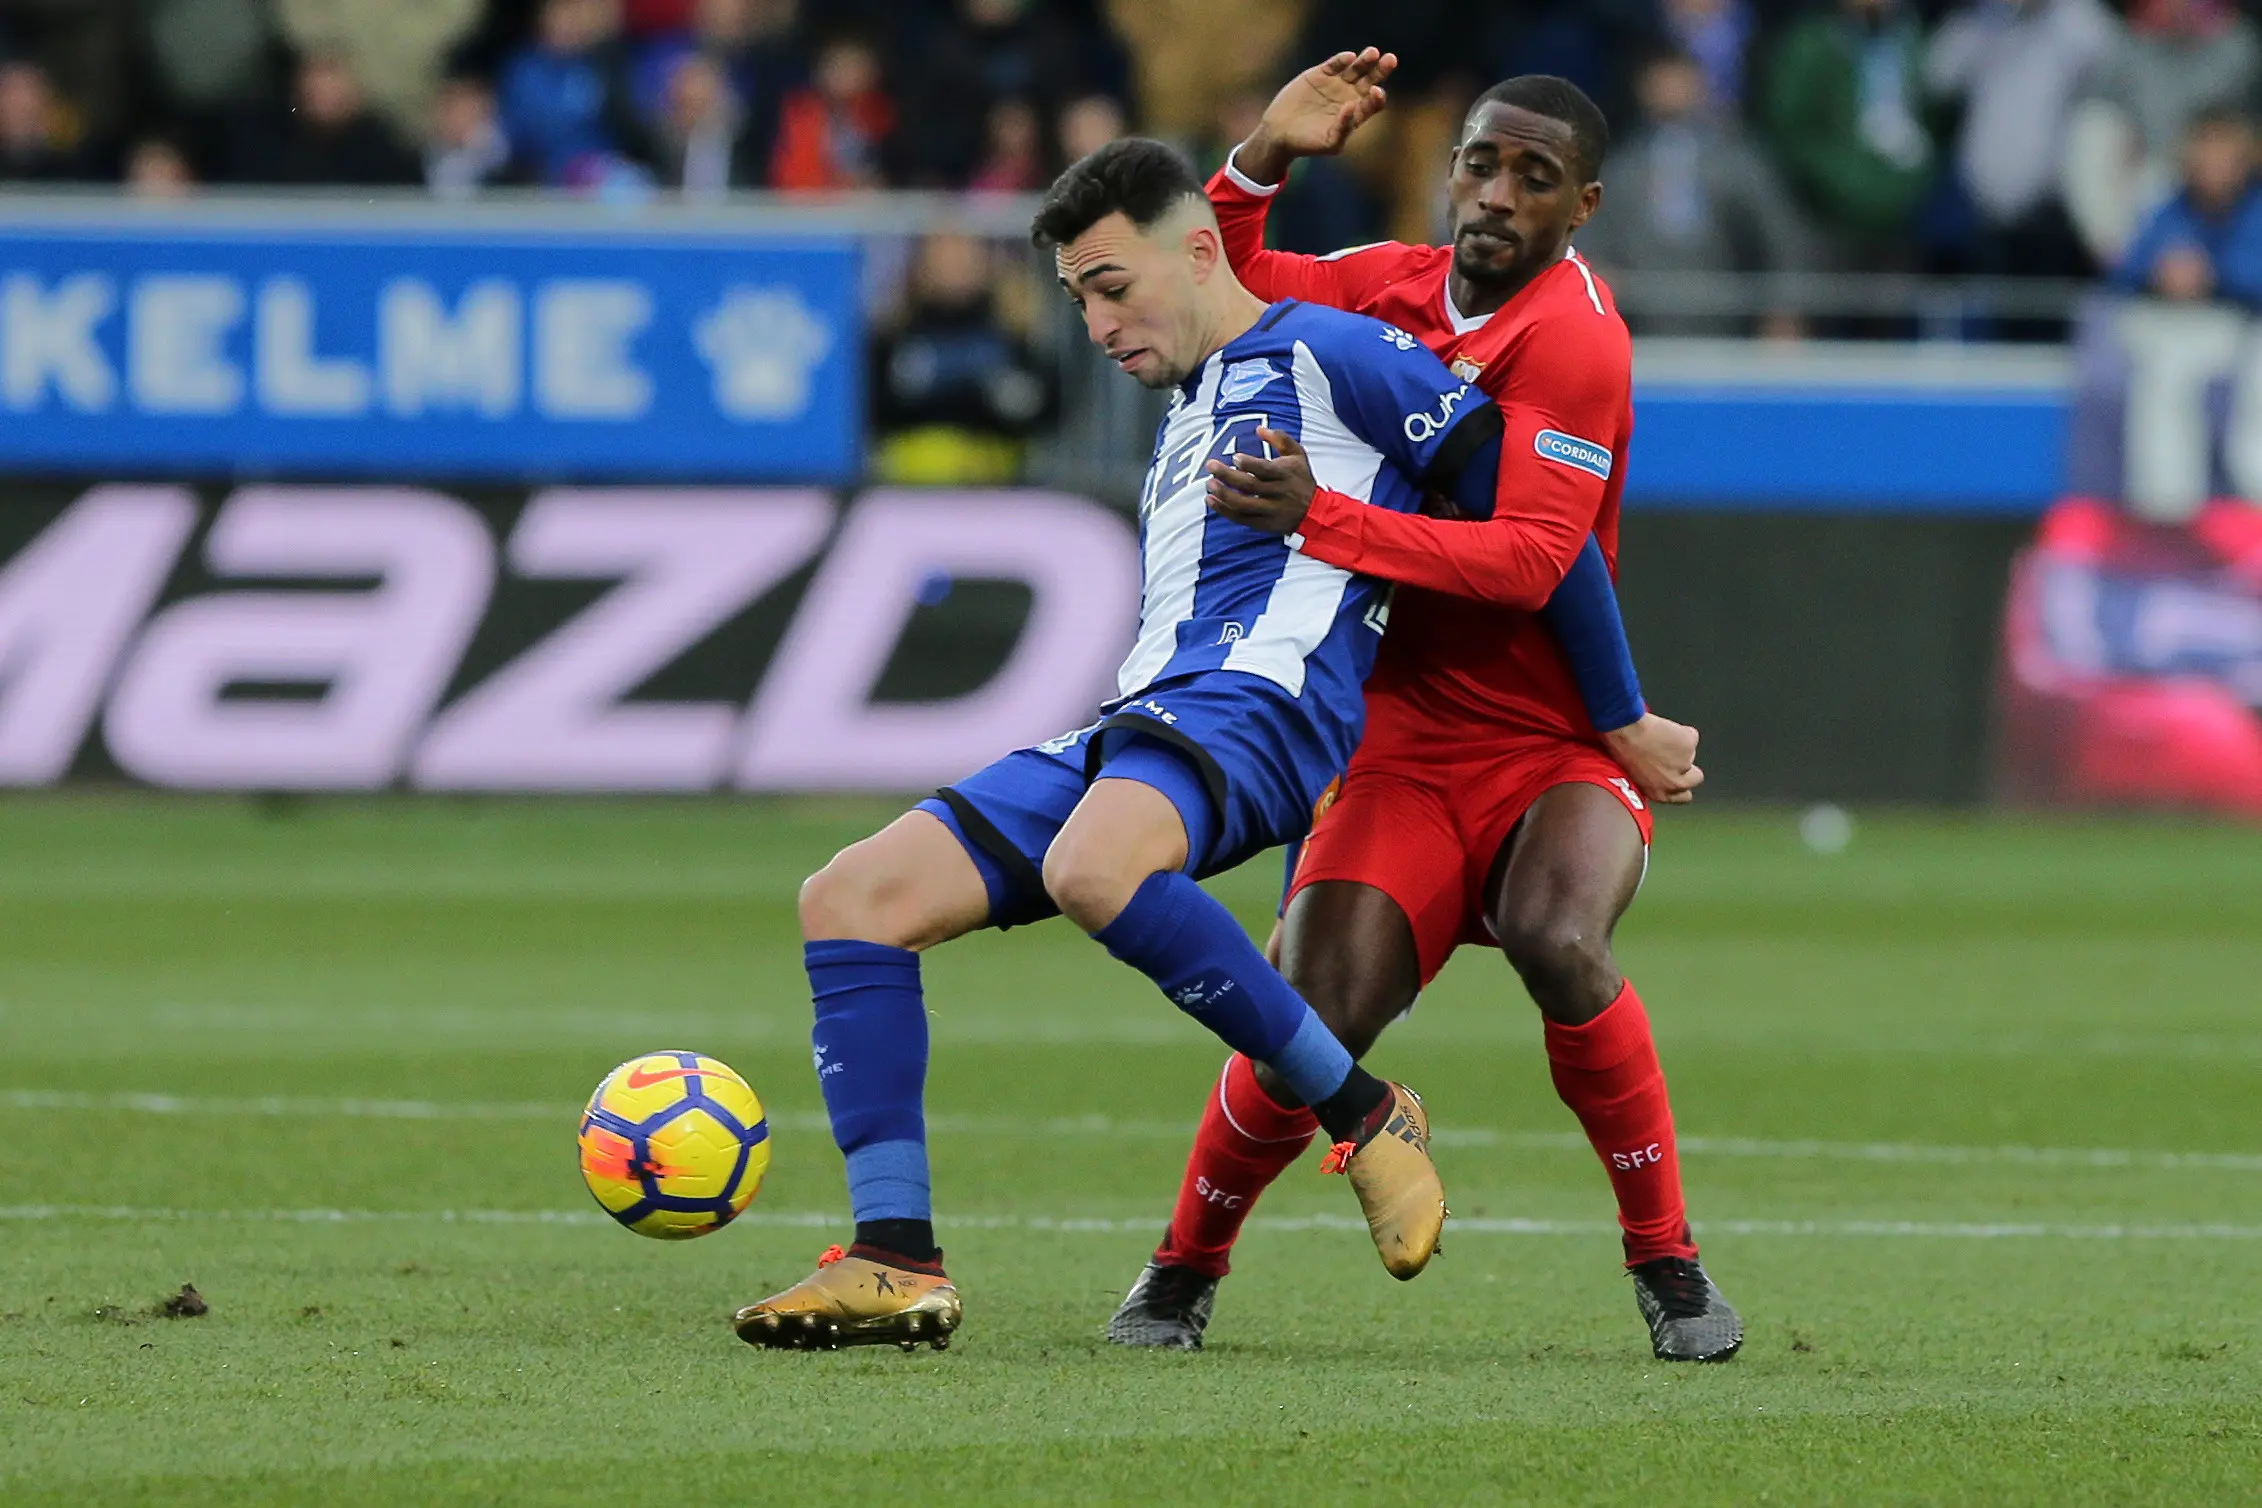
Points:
(1473, 300)
(1236, 314)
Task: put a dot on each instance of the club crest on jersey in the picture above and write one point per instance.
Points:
(1400, 338)
(1465, 369)
(1570, 450)
(1245, 379)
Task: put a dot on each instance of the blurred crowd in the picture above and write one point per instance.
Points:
(2036, 137)
(2055, 138)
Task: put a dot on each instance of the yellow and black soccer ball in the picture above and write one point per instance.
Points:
(674, 1145)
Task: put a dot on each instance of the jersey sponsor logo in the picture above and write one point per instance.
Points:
(1230, 634)
(1625, 788)
(1245, 379)
(1400, 338)
(1570, 450)
(1424, 427)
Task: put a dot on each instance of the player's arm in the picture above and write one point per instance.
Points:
(1532, 467)
(1312, 116)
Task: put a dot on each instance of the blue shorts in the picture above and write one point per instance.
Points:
(1232, 751)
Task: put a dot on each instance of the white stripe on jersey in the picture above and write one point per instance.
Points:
(1341, 461)
(1594, 295)
(1173, 516)
(1304, 602)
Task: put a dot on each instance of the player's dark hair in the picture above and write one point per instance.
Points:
(1138, 176)
(1557, 99)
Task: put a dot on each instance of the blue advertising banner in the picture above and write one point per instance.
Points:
(429, 353)
(1855, 451)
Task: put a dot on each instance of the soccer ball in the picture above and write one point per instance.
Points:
(674, 1145)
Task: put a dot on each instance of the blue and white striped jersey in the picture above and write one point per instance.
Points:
(1382, 420)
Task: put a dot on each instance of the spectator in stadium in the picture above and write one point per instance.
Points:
(1842, 110)
(957, 392)
(1581, 40)
(1688, 193)
(1088, 124)
(564, 98)
(333, 136)
(2206, 242)
(1186, 55)
(1014, 161)
(703, 147)
(833, 130)
(2175, 60)
(397, 46)
(984, 52)
(33, 146)
(1717, 33)
(466, 150)
(2016, 67)
(760, 52)
(157, 168)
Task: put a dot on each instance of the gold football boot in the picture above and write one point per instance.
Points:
(853, 1301)
(1397, 1185)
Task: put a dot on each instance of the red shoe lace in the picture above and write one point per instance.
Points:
(830, 1255)
(1338, 1157)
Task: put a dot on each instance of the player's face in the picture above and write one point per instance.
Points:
(1515, 196)
(1138, 295)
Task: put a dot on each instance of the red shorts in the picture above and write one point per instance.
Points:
(1426, 833)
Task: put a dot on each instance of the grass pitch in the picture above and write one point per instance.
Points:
(1971, 1133)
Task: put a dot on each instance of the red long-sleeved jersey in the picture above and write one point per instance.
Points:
(1465, 656)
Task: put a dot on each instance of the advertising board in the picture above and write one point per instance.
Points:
(302, 638)
(234, 351)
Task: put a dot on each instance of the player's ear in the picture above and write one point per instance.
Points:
(1205, 252)
(1590, 200)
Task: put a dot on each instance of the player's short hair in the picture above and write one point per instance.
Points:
(1136, 175)
(1557, 99)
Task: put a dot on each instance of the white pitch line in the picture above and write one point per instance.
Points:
(1102, 1225)
(1101, 1125)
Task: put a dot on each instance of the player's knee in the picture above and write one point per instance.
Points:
(854, 896)
(1090, 887)
(1563, 958)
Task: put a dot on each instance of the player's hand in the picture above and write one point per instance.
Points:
(1315, 112)
(1660, 755)
(1272, 494)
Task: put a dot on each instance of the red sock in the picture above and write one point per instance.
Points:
(1246, 1141)
(1607, 1072)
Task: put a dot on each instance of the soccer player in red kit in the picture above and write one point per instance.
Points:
(1483, 805)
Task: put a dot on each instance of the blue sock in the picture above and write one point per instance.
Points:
(871, 1050)
(1188, 943)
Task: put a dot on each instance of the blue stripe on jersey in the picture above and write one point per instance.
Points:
(1371, 407)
